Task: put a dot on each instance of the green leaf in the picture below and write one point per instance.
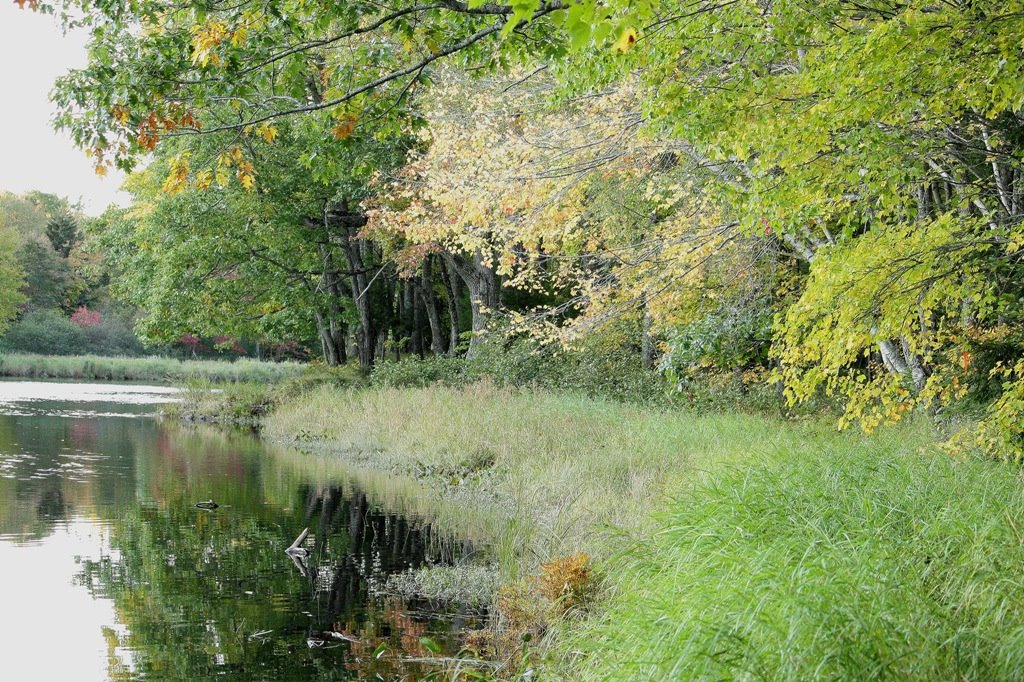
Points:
(430, 645)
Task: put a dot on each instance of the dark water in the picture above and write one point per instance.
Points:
(108, 571)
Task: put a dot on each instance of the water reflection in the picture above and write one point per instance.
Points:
(164, 590)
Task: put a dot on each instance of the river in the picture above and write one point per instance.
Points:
(110, 571)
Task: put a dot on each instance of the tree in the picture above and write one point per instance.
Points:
(12, 280)
(564, 200)
(263, 58)
(863, 136)
(62, 231)
(48, 278)
(205, 250)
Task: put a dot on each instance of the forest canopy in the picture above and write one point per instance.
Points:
(827, 193)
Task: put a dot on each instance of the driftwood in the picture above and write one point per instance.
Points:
(294, 549)
(298, 554)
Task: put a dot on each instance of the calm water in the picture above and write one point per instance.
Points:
(109, 571)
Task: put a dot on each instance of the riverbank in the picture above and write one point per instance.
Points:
(150, 369)
(667, 545)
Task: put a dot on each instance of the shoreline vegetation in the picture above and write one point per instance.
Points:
(155, 369)
(624, 540)
(632, 541)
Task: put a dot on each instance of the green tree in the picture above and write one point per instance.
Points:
(12, 279)
(62, 231)
(48, 277)
(262, 244)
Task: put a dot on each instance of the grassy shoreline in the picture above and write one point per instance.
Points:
(152, 369)
(643, 544)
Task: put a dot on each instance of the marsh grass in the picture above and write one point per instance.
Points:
(569, 469)
(730, 546)
(869, 561)
(152, 369)
(563, 468)
(241, 404)
(465, 584)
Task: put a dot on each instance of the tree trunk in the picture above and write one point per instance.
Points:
(332, 342)
(918, 373)
(426, 290)
(647, 340)
(482, 283)
(338, 227)
(901, 359)
(332, 329)
(361, 297)
(892, 358)
(452, 291)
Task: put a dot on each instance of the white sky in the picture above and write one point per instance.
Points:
(33, 52)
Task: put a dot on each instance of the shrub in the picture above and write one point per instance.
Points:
(413, 372)
(46, 332)
(568, 583)
(316, 375)
(113, 335)
(596, 369)
(84, 317)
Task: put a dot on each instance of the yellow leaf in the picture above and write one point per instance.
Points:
(267, 132)
(246, 175)
(204, 178)
(626, 40)
(239, 36)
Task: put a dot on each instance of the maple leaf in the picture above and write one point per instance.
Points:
(178, 175)
(120, 113)
(204, 179)
(246, 175)
(267, 132)
(345, 128)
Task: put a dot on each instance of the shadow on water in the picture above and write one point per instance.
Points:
(199, 594)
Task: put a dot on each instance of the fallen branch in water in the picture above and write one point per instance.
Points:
(294, 549)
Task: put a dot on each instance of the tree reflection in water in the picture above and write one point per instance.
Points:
(201, 594)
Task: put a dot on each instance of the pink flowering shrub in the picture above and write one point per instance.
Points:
(84, 317)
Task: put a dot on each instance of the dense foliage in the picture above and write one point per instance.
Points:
(830, 191)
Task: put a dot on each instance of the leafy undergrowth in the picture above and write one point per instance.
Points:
(867, 562)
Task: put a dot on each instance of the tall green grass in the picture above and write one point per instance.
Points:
(154, 369)
(867, 561)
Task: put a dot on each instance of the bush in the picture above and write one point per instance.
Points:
(413, 372)
(594, 371)
(317, 375)
(45, 332)
(599, 370)
(113, 336)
